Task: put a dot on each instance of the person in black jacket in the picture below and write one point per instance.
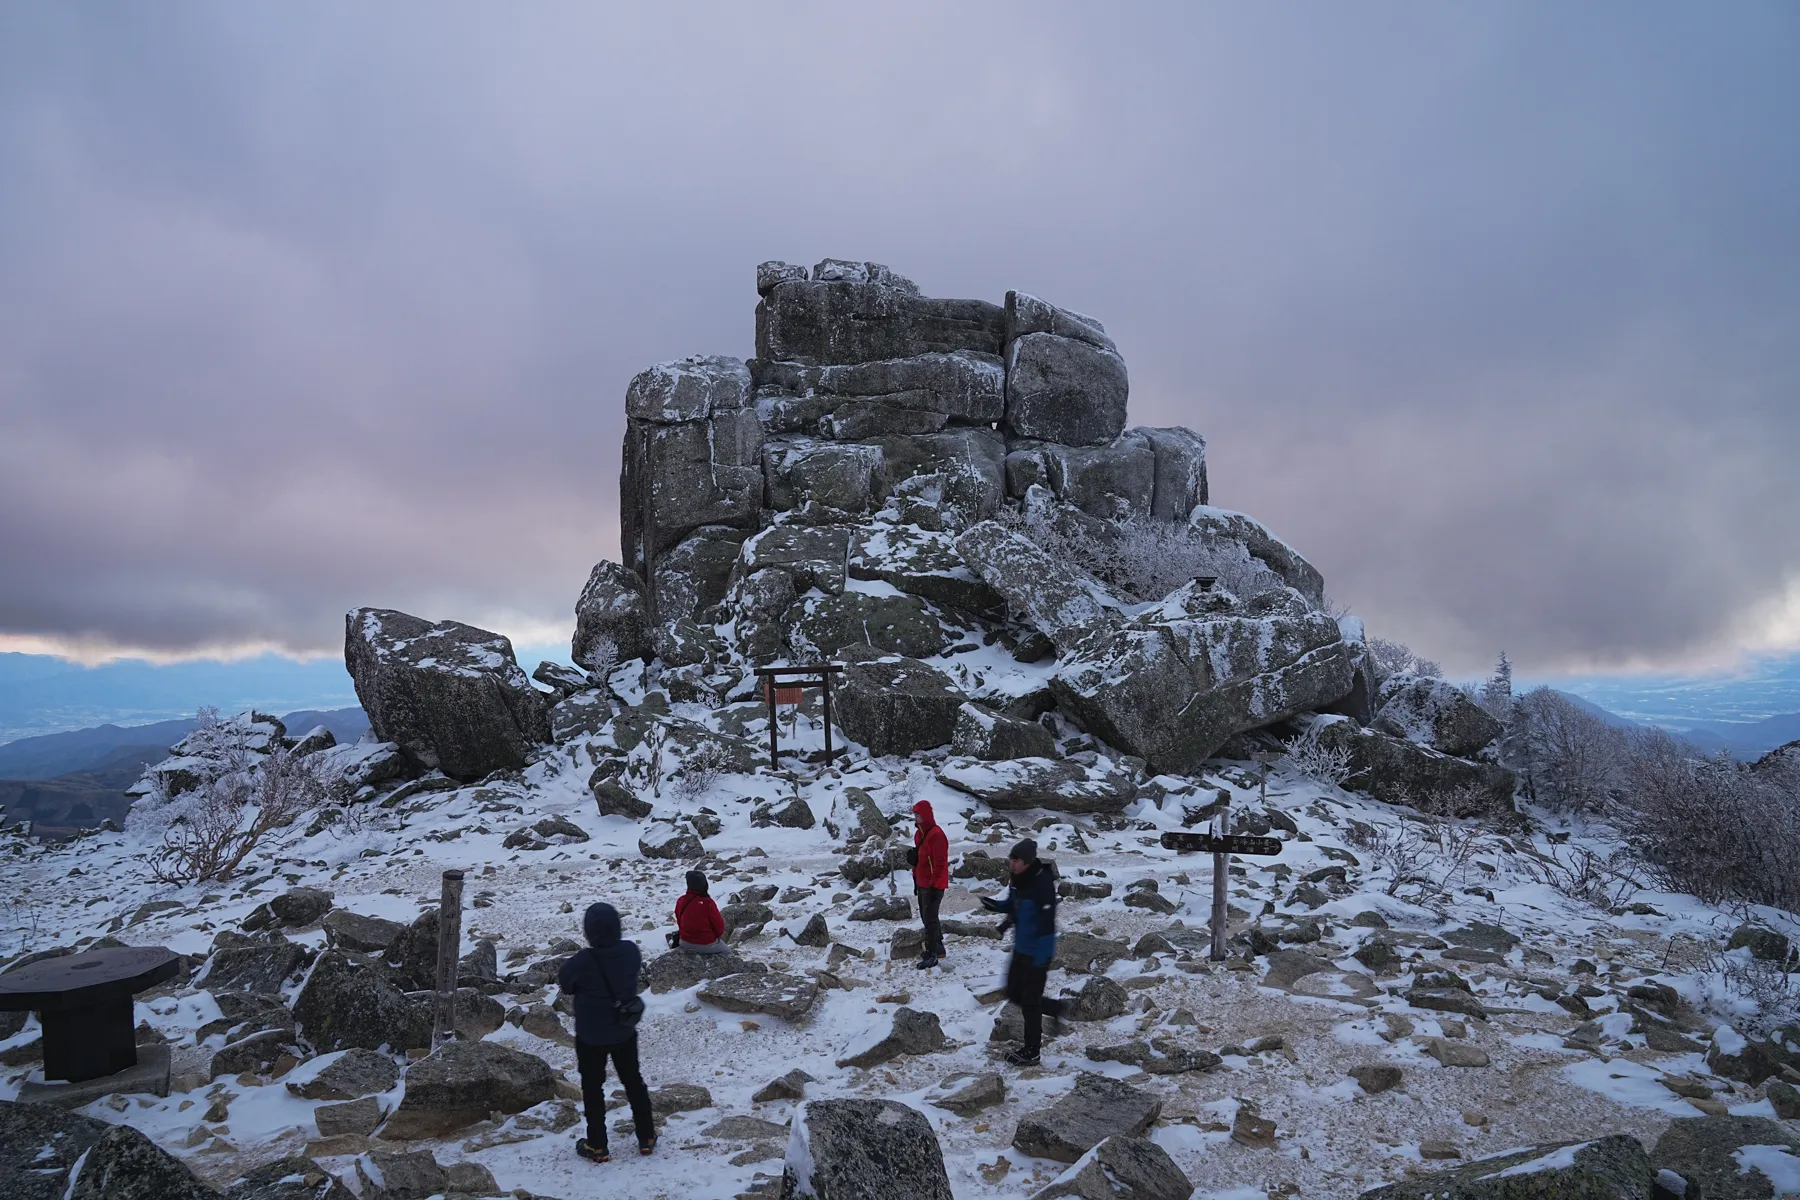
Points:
(1030, 908)
(596, 979)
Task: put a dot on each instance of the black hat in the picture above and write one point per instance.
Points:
(696, 883)
(1024, 850)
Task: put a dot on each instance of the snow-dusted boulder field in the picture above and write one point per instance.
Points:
(1047, 631)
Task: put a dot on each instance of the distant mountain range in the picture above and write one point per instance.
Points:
(1741, 739)
(62, 782)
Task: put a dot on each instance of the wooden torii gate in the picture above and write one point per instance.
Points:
(793, 680)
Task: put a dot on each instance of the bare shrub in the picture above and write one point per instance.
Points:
(1329, 765)
(217, 826)
(1571, 759)
(1607, 880)
(1710, 826)
(698, 771)
(1754, 995)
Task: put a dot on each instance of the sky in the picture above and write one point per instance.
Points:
(1492, 311)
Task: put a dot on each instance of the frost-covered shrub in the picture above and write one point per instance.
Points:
(208, 832)
(1397, 658)
(1751, 994)
(699, 769)
(602, 656)
(1329, 765)
(1710, 826)
(1570, 758)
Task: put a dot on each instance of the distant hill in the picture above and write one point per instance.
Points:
(106, 746)
(64, 782)
(1745, 739)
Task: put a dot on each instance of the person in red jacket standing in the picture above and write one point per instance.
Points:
(931, 878)
(698, 921)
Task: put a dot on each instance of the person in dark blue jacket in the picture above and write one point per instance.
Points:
(595, 980)
(1030, 908)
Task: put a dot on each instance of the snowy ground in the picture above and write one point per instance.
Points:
(1333, 1139)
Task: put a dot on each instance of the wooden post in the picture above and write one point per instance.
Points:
(1262, 784)
(827, 675)
(1221, 873)
(774, 731)
(449, 949)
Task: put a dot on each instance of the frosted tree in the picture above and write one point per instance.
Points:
(1496, 693)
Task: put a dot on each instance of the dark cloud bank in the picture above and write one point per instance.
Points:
(1494, 313)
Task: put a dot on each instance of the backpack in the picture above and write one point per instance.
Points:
(627, 1012)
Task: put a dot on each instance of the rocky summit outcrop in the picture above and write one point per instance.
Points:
(450, 695)
(1174, 682)
(863, 1150)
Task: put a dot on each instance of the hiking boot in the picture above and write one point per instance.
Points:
(1018, 1056)
(647, 1147)
(591, 1152)
(926, 962)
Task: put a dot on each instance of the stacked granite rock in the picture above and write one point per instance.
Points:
(866, 395)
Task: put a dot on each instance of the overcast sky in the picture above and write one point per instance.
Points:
(1491, 310)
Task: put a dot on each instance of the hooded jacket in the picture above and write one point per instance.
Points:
(594, 978)
(697, 918)
(933, 868)
(1032, 903)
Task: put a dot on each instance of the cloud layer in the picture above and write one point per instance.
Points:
(1494, 314)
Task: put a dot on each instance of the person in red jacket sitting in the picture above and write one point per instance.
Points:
(931, 878)
(698, 921)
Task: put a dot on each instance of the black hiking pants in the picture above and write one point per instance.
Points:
(591, 1060)
(1025, 982)
(930, 900)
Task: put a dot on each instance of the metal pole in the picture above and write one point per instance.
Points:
(449, 949)
(827, 675)
(1220, 874)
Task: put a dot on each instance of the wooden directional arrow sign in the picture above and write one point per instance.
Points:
(1234, 843)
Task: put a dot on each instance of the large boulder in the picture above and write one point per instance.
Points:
(805, 473)
(1173, 683)
(688, 389)
(678, 969)
(895, 705)
(843, 316)
(344, 1005)
(920, 562)
(923, 392)
(1064, 389)
(300, 906)
(690, 577)
(863, 1150)
(263, 965)
(126, 1165)
(959, 474)
(1180, 471)
(1731, 1158)
(1608, 1168)
(353, 1074)
(776, 995)
(38, 1145)
(1121, 1168)
(1222, 531)
(812, 556)
(1396, 771)
(1062, 785)
(1097, 1108)
(460, 1083)
(1434, 713)
(611, 622)
(451, 695)
(360, 932)
(985, 734)
(1115, 480)
(1064, 602)
(825, 626)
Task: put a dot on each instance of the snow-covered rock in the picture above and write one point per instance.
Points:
(896, 705)
(1061, 600)
(450, 695)
(1434, 713)
(1095, 1109)
(863, 1150)
(460, 1083)
(1174, 682)
(1398, 771)
(1062, 785)
(1121, 1168)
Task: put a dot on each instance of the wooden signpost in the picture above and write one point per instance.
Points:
(785, 685)
(1221, 845)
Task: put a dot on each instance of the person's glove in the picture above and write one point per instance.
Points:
(1006, 925)
(992, 905)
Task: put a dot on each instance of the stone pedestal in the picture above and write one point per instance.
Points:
(148, 1076)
